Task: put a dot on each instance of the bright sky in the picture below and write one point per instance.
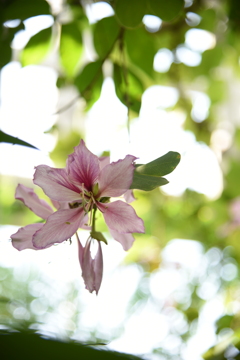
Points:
(29, 98)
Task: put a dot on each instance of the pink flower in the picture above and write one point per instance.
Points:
(86, 184)
(82, 188)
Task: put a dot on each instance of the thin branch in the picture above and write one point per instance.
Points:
(67, 106)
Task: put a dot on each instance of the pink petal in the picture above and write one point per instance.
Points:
(32, 201)
(129, 197)
(83, 166)
(22, 239)
(121, 217)
(60, 226)
(126, 240)
(98, 267)
(92, 269)
(115, 179)
(103, 161)
(80, 252)
(55, 183)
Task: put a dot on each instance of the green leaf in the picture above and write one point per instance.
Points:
(24, 9)
(71, 47)
(141, 49)
(5, 53)
(162, 166)
(166, 10)
(98, 236)
(89, 81)
(37, 47)
(149, 176)
(105, 34)
(130, 13)
(224, 322)
(147, 182)
(130, 94)
(5, 138)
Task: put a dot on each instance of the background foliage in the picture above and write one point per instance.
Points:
(124, 47)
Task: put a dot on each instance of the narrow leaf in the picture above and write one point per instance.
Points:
(13, 140)
(162, 166)
(147, 182)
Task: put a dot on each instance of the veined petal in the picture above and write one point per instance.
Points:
(56, 184)
(60, 226)
(83, 166)
(32, 201)
(22, 239)
(115, 179)
(121, 217)
(126, 240)
(129, 197)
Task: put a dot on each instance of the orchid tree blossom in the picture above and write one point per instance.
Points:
(86, 185)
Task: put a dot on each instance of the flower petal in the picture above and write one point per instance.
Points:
(98, 267)
(55, 183)
(129, 197)
(32, 201)
(60, 226)
(115, 179)
(121, 217)
(22, 239)
(103, 161)
(83, 166)
(126, 240)
(92, 269)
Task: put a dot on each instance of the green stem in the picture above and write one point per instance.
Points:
(93, 218)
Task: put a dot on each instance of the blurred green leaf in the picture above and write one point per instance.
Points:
(37, 47)
(24, 9)
(166, 10)
(71, 47)
(5, 53)
(129, 89)
(130, 13)
(105, 34)
(28, 343)
(5, 138)
(64, 147)
(209, 19)
(89, 81)
(224, 322)
(141, 49)
(6, 36)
